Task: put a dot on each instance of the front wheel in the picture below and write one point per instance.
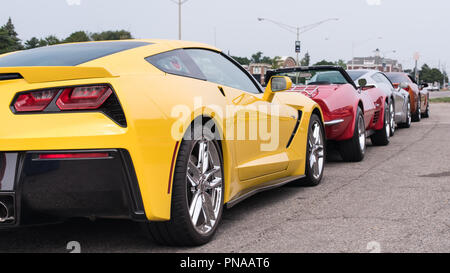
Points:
(382, 137)
(416, 117)
(407, 123)
(354, 149)
(315, 154)
(392, 118)
(197, 197)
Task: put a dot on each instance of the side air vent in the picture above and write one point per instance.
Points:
(10, 76)
(112, 109)
(299, 119)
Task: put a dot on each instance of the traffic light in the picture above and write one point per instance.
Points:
(297, 46)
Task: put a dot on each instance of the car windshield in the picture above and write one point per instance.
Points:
(315, 77)
(355, 75)
(66, 54)
(397, 78)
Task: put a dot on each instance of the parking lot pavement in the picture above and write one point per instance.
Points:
(397, 200)
(439, 94)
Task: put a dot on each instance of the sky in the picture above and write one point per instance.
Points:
(404, 26)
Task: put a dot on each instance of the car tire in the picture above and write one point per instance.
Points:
(181, 230)
(315, 154)
(354, 149)
(416, 117)
(382, 137)
(427, 111)
(407, 123)
(393, 125)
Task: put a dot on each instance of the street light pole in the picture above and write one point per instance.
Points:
(179, 3)
(298, 53)
(297, 30)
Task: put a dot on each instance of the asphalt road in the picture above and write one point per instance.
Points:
(397, 200)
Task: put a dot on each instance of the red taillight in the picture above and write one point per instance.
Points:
(74, 156)
(34, 101)
(86, 97)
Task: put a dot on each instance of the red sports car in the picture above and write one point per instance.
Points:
(351, 112)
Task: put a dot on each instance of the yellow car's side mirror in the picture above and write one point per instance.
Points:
(276, 84)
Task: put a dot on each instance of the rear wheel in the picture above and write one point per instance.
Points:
(407, 123)
(416, 117)
(315, 154)
(197, 197)
(381, 137)
(354, 149)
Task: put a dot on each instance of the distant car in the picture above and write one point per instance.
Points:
(399, 102)
(432, 88)
(350, 113)
(420, 105)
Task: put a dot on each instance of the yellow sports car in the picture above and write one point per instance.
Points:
(161, 132)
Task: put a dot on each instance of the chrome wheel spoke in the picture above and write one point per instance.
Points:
(211, 172)
(207, 208)
(203, 158)
(195, 176)
(196, 207)
(215, 183)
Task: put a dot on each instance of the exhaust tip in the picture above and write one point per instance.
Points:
(7, 211)
(4, 212)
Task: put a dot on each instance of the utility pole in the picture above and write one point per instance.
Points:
(298, 30)
(179, 3)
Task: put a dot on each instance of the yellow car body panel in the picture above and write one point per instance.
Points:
(148, 97)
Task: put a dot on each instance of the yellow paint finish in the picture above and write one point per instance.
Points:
(149, 97)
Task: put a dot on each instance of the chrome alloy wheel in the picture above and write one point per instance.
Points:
(391, 108)
(316, 150)
(362, 133)
(388, 122)
(409, 118)
(204, 188)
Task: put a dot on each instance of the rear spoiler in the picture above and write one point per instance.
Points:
(39, 74)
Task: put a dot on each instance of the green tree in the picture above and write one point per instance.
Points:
(257, 57)
(241, 60)
(32, 43)
(52, 40)
(341, 63)
(276, 62)
(305, 61)
(111, 35)
(324, 62)
(79, 36)
(9, 40)
(431, 75)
